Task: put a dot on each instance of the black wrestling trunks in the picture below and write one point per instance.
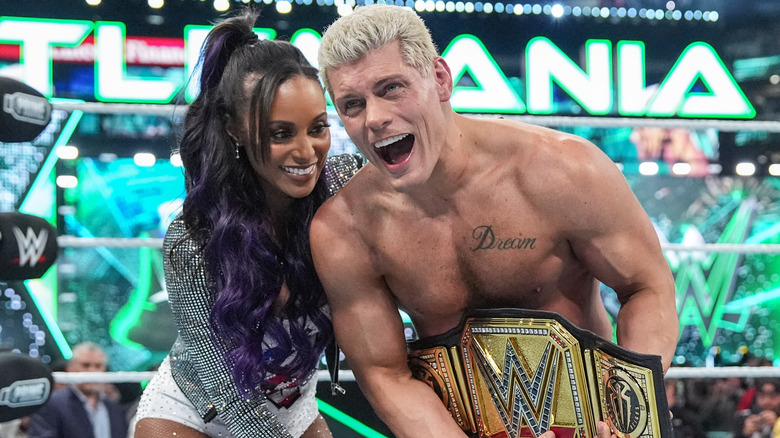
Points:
(509, 373)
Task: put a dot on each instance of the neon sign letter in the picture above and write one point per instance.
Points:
(492, 92)
(545, 62)
(37, 38)
(700, 62)
(110, 64)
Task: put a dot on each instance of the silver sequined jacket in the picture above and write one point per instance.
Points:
(196, 362)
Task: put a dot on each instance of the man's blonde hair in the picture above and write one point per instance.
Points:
(372, 27)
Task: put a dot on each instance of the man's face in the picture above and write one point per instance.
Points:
(768, 397)
(88, 361)
(393, 113)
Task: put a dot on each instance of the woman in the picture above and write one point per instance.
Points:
(250, 310)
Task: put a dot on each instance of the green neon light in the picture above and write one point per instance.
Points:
(631, 81)
(492, 91)
(767, 234)
(753, 301)
(347, 420)
(751, 68)
(546, 63)
(36, 288)
(308, 41)
(591, 88)
(699, 61)
(51, 160)
(37, 37)
(48, 319)
(112, 83)
(129, 315)
(194, 37)
(702, 298)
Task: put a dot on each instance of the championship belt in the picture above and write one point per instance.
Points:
(509, 373)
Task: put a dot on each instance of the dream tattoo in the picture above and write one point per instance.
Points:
(485, 239)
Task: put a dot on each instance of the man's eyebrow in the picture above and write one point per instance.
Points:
(341, 99)
(389, 78)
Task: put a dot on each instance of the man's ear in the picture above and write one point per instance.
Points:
(443, 78)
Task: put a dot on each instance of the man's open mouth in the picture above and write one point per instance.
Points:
(394, 150)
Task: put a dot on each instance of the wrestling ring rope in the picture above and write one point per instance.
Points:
(347, 375)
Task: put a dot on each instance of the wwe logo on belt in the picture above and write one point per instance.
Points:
(516, 393)
(31, 246)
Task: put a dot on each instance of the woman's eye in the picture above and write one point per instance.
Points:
(280, 135)
(319, 128)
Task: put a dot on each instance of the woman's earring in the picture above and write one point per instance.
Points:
(237, 147)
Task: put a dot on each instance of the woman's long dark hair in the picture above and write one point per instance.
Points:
(226, 211)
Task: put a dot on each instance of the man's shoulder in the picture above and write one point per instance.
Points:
(61, 400)
(546, 146)
(352, 208)
(353, 197)
(62, 394)
(514, 139)
(338, 211)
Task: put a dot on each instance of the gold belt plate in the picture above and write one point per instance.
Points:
(523, 374)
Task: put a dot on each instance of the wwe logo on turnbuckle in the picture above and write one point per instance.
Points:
(31, 246)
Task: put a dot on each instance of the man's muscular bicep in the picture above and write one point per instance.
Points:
(365, 317)
(608, 230)
(616, 242)
(334, 253)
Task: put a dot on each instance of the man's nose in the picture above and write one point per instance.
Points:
(378, 115)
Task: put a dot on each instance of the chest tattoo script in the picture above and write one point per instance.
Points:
(485, 238)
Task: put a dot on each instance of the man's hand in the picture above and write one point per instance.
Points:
(752, 425)
(768, 417)
(602, 429)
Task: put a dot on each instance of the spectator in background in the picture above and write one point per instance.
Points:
(719, 404)
(760, 420)
(685, 421)
(81, 410)
(749, 396)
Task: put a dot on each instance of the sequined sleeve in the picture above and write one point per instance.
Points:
(191, 294)
(340, 169)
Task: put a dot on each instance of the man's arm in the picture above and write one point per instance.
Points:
(369, 331)
(613, 237)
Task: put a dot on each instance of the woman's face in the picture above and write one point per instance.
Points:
(299, 143)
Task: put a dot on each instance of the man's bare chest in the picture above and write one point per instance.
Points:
(473, 259)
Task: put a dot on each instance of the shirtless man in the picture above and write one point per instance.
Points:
(411, 230)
